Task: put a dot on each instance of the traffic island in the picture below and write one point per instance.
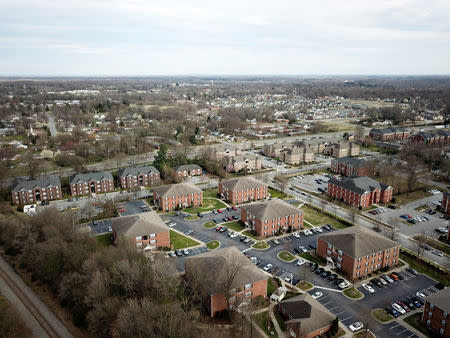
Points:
(353, 294)
(209, 225)
(285, 256)
(261, 246)
(382, 316)
(213, 245)
(305, 286)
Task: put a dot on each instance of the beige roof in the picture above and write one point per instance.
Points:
(271, 209)
(176, 190)
(139, 225)
(307, 312)
(213, 267)
(357, 241)
(441, 299)
(242, 183)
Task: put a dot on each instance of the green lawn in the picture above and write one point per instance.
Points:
(318, 218)
(286, 256)
(104, 239)
(260, 245)
(180, 241)
(422, 267)
(192, 217)
(304, 285)
(353, 293)
(279, 319)
(210, 193)
(208, 205)
(263, 320)
(435, 244)
(250, 233)
(235, 225)
(415, 321)
(277, 194)
(310, 257)
(363, 334)
(271, 286)
(381, 315)
(209, 225)
(212, 245)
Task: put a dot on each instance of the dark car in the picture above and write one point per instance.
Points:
(392, 311)
(217, 221)
(295, 281)
(313, 246)
(313, 266)
(439, 286)
(178, 253)
(242, 237)
(200, 215)
(417, 300)
(225, 219)
(325, 274)
(297, 251)
(409, 304)
(235, 217)
(414, 272)
(228, 208)
(375, 282)
(224, 229)
(400, 276)
(332, 277)
(319, 271)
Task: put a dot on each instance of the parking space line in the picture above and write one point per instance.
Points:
(326, 303)
(333, 308)
(339, 313)
(393, 327)
(346, 318)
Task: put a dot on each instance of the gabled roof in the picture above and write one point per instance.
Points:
(176, 190)
(143, 224)
(271, 209)
(39, 183)
(134, 171)
(358, 241)
(359, 185)
(214, 266)
(307, 312)
(441, 299)
(353, 161)
(389, 130)
(102, 175)
(187, 167)
(242, 183)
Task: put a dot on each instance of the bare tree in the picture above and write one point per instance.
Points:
(420, 241)
(391, 233)
(353, 215)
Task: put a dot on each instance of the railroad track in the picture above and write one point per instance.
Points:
(34, 310)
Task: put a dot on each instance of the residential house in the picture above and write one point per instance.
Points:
(445, 204)
(305, 317)
(182, 195)
(389, 134)
(240, 190)
(138, 177)
(359, 191)
(33, 191)
(241, 162)
(225, 272)
(187, 170)
(358, 251)
(91, 183)
(351, 166)
(271, 216)
(436, 311)
(341, 149)
(145, 231)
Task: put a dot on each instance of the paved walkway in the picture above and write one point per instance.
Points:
(275, 322)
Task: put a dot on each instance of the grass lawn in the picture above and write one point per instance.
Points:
(286, 256)
(412, 196)
(381, 315)
(353, 293)
(318, 218)
(279, 319)
(235, 225)
(272, 285)
(423, 267)
(210, 193)
(277, 194)
(192, 217)
(249, 233)
(363, 334)
(209, 225)
(208, 205)
(180, 241)
(264, 322)
(422, 208)
(212, 245)
(415, 322)
(435, 244)
(309, 257)
(304, 285)
(261, 245)
(104, 240)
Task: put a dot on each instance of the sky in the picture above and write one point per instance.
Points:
(231, 37)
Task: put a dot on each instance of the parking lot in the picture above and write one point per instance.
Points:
(132, 208)
(100, 227)
(310, 183)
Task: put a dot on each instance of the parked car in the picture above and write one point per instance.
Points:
(235, 217)
(275, 241)
(356, 326)
(224, 229)
(437, 253)
(368, 288)
(218, 228)
(302, 248)
(297, 251)
(189, 232)
(172, 254)
(172, 224)
(296, 235)
(414, 272)
(404, 306)
(178, 253)
(397, 307)
(344, 284)
(219, 211)
(325, 274)
(313, 267)
(387, 278)
(394, 276)
(300, 261)
(288, 277)
(200, 215)
(319, 271)
(317, 294)
(267, 267)
(392, 311)
(421, 297)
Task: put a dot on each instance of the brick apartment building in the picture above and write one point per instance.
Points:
(187, 170)
(436, 312)
(33, 191)
(351, 166)
(439, 137)
(268, 217)
(389, 134)
(445, 204)
(91, 183)
(297, 155)
(217, 153)
(145, 231)
(359, 191)
(138, 177)
(209, 270)
(274, 149)
(358, 251)
(240, 190)
(305, 317)
(341, 149)
(238, 163)
(182, 195)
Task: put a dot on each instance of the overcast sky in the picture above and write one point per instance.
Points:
(97, 37)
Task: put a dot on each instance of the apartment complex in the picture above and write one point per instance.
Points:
(237, 163)
(225, 271)
(439, 137)
(145, 231)
(359, 191)
(358, 251)
(297, 155)
(241, 190)
(138, 177)
(269, 217)
(187, 170)
(351, 166)
(182, 195)
(445, 204)
(305, 317)
(33, 191)
(389, 134)
(91, 183)
(341, 149)
(436, 312)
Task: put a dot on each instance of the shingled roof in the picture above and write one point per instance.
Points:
(135, 171)
(271, 209)
(187, 167)
(176, 190)
(307, 312)
(39, 183)
(142, 224)
(358, 241)
(242, 183)
(359, 185)
(441, 299)
(214, 266)
(355, 162)
(102, 175)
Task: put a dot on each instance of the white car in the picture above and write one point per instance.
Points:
(344, 284)
(398, 308)
(368, 288)
(301, 261)
(356, 326)
(317, 294)
(233, 234)
(267, 267)
(318, 229)
(254, 260)
(288, 277)
(382, 280)
(172, 224)
(387, 278)
(421, 296)
(296, 235)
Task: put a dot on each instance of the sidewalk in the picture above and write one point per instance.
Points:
(275, 322)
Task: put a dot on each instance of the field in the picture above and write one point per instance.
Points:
(426, 269)
(235, 225)
(317, 218)
(180, 242)
(208, 205)
(104, 239)
(277, 194)
(263, 320)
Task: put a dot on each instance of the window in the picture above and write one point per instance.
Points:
(248, 286)
(430, 314)
(443, 322)
(248, 294)
(152, 235)
(429, 322)
(328, 252)
(233, 291)
(358, 266)
(445, 315)
(340, 252)
(431, 306)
